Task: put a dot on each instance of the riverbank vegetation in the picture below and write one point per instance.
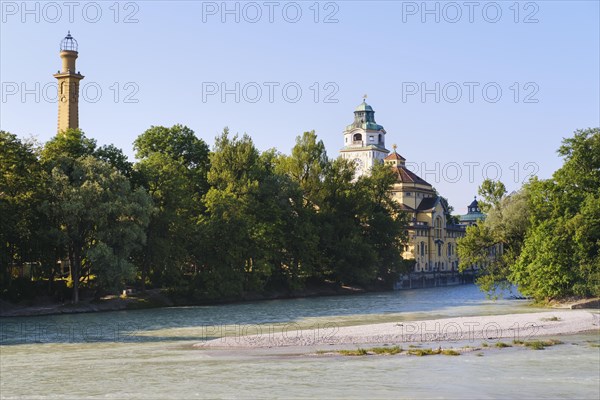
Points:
(421, 352)
(549, 229)
(202, 225)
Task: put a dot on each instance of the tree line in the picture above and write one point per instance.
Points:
(203, 224)
(549, 228)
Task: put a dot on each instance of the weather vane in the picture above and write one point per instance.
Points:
(365, 97)
(394, 147)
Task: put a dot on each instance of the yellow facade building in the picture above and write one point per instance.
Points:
(432, 238)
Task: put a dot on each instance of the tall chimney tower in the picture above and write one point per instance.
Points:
(68, 86)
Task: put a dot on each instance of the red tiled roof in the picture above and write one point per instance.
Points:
(395, 156)
(407, 176)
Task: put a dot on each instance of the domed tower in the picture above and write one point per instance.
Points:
(68, 85)
(364, 140)
(473, 214)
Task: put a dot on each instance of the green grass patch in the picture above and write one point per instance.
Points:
(424, 352)
(357, 352)
(484, 344)
(364, 352)
(537, 344)
(554, 318)
(386, 350)
(502, 345)
(450, 352)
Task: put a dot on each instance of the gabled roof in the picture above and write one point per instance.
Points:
(404, 207)
(407, 176)
(395, 156)
(428, 203)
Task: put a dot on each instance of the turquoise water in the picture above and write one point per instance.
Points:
(148, 354)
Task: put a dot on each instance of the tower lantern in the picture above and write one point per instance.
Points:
(68, 85)
(364, 140)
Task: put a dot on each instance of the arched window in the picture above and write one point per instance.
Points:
(357, 137)
(439, 246)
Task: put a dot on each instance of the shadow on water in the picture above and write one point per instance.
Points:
(201, 322)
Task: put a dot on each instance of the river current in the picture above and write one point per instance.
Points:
(149, 354)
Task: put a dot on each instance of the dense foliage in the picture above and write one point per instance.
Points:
(202, 224)
(550, 229)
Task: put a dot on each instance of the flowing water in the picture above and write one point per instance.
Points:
(148, 354)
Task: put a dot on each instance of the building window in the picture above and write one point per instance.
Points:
(408, 194)
(357, 137)
(422, 248)
(439, 249)
(438, 227)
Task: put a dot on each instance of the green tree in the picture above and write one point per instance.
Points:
(307, 166)
(491, 192)
(495, 243)
(172, 166)
(63, 149)
(560, 252)
(242, 224)
(550, 229)
(21, 189)
(100, 218)
(115, 157)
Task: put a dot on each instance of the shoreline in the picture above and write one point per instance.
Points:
(448, 330)
(154, 299)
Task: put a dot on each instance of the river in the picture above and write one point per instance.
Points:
(147, 354)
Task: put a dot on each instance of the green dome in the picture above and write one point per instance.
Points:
(472, 217)
(363, 107)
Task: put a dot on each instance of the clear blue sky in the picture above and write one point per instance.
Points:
(388, 49)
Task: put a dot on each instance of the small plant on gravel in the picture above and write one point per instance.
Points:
(553, 318)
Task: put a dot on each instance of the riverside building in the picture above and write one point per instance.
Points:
(432, 238)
